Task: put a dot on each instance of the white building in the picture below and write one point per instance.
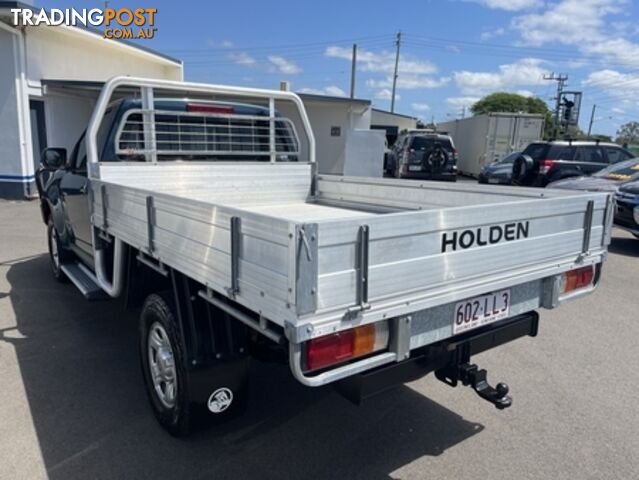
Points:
(392, 123)
(346, 145)
(35, 111)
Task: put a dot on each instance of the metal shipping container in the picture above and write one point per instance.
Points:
(482, 139)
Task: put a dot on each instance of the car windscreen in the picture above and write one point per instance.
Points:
(509, 159)
(625, 171)
(424, 144)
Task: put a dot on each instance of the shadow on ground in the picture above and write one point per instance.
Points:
(628, 246)
(80, 370)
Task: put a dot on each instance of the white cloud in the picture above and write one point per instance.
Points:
(408, 81)
(386, 94)
(382, 62)
(568, 22)
(227, 44)
(614, 50)
(525, 93)
(620, 85)
(331, 90)
(487, 35)
(282, 65)
(242, 58)
(420, 107)
(583, 24)
(510, 5)
(460, 102)
(414, 73)
(524, 72)
(453, 48)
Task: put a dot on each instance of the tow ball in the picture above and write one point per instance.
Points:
(470, 375)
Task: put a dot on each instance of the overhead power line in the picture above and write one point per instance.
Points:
(388, 37)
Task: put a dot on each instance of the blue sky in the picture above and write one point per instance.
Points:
(453, 52)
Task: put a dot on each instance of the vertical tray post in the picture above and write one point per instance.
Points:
(306, 268)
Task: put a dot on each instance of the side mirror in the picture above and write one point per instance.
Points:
(54, 158)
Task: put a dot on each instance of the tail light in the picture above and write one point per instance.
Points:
(545, 166)
(577, 279)
(206, 108)
(346, 345)
(406, 154)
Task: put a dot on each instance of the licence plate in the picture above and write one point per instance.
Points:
(493, 180)
(414, 168)
(482, 310)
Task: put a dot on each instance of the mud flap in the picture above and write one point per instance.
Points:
(217, 357)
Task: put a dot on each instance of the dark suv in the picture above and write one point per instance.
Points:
(428, 156)
(544, 162)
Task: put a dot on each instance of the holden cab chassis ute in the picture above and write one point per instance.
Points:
(201, 204)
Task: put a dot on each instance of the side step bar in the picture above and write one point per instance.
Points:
(83, 279)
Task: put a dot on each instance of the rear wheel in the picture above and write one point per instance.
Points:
(57, 255)
(163, 366)
(196, 383)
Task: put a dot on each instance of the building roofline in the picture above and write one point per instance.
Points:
(332, 99)
(8, 5)
(393, 113)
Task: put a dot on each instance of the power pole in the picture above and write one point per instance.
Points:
(561, 81)
(353, 70)
(592, 119)
(397, 43)
(464, 112)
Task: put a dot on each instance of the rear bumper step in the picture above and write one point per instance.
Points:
(449, 359)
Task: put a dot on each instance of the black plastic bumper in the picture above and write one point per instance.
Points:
(445, 355)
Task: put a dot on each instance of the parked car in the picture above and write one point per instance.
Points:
(627, 207)
(606, 180)
(499, 172)
(423, 155)
(545, 162)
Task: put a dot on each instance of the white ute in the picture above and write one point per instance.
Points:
(359, 281)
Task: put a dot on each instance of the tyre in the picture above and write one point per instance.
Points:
(163, 365)
(187, 397)
(522, 172)
(57, 254)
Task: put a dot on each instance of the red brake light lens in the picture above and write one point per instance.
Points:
(324, 351)
(342, 346)
(578, 278)
(545, 166)
(205, 108)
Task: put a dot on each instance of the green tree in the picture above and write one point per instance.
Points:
(513, 102)
(628, 133)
